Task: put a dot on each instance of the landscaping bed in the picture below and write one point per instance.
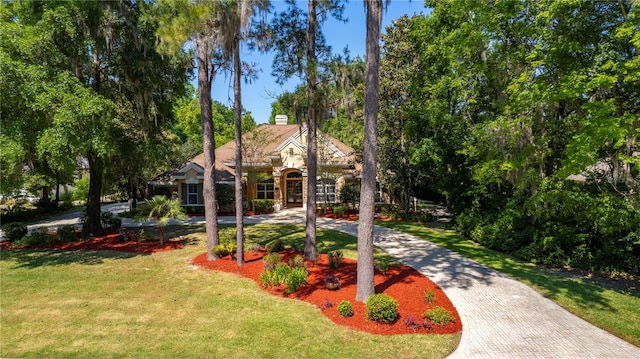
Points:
(107, 242)
(404, 284)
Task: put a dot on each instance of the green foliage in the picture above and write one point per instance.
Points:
(275, 245)
(262, 205)
(297, 261)
(225, 197)
(253, 247)
(562, 224)
(276, 273)
(37, 237)
(109, 220)
(345, 309)
(296, 278)
(227, 245)
(350, 194)
(14, 231)
(382, 308)
(429, 296)
(335, 259)
(162, 209)
(275, 277)
(220, 251)
(81, 191)
(67, 233)
(439, 316)
(271, 260)
(339, 210)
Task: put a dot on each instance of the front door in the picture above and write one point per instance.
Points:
(294, 189)
(294, 193)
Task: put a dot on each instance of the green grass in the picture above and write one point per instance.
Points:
(293, 236)
(107, 304)
(612, 310)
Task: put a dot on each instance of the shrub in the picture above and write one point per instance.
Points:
(228, 241)
(268, 279)
(67, 233)
(15, 231)
(108, 220)
(350, 194)
(37, 237)
(439, 316)
(297, 261)
(275, 277)
(271, 260)
(429, 296)
(382, 308)
(220, 251)
(281, 271)
(345, 309)
(275, 245)
(296, 278)
(144, 236)
(339, 210)
(225, 196)
(382, 266)
(262, 205)
(253, 247)
(335, 259)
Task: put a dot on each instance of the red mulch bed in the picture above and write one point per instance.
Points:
(403, 283)
(107, 242)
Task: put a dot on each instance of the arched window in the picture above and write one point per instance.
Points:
(294, 175)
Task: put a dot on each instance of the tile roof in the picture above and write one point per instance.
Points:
(278, 133)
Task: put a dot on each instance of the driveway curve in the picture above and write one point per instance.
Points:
(501, 317)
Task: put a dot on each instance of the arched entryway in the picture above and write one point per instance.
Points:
(293, 189)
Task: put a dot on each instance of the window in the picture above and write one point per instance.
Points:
(378, 193)
(192, 193)
(326, 192)
(265, 189)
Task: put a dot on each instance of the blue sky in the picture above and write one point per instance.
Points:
(258, 96)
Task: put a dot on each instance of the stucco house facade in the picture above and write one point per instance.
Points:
(274, 168)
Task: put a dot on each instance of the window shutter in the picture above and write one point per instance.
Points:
(200, 195)
(183, 193)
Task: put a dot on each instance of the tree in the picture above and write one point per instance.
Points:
(162, 209)
(241, 16)
(200, 24)
(301, 50)
(365, 285)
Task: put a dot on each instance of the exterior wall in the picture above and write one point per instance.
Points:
(191, 176)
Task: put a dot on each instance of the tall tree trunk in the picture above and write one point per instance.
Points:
(237, 107)
(365, 285)
(208, 141)
(310, 249)
(92, 225)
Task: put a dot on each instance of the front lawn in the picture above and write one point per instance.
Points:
(71, 304)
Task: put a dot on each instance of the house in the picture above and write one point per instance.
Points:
(274, 168)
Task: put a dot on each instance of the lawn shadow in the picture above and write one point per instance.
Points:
(34, 258)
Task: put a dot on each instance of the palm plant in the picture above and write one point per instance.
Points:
(162, 209)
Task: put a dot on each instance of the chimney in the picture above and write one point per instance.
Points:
(282, 119)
